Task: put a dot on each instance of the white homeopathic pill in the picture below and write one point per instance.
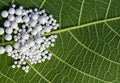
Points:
(4, 14)
(38, 40)
(9, 30)
(18, 11)
(18, 19)
(33, 23)
(16, 45)
(38, 27)
(43, 20)
(1, 31)
(15, 62)
(47, 29)
(8, 37)
(26, 18)
(23, 48)
(8, 48)
(30, 43)
(11, 18)
(34, 32)
(13, 66)
(7, 23)
(25, 35)
(14, 24)
(34, 16)
(2, 50)
(11, 11)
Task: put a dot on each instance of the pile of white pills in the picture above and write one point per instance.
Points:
(27, 27)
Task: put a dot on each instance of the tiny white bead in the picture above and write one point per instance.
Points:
(2, 50)
(34, 32)
(4, 14)
(8, 37)
(8, 48)
(43, 20)
(34, 16)
(15, 31)
(26, 18)
(15, 62)
(33, 23)
(30, 10)
(18, 19)
(14, 24)
(13, 5)
(38, 27)
(7, 23)
(30, 43)
(49, 54)
(23, 48)
(27, 67)
(23, 67)
(13, 66)
(25, 36)
(42, 59)
(9, 30)
(35, 9)
(49, 57)
(18, 66)
(52, 40)
(38, 40)
(18, 11)
(11, 11)
(1, 31)
(24, 63)
(47, 29)
(21, 7)
(55, 36)
(26, 71)
(16, 45)
(43, 11)
(52, 44)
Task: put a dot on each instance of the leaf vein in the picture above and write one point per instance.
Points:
(93, 51)
(81, 26)
(7, 77)
(76, 68)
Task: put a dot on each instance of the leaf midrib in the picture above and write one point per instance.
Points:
(82, 26)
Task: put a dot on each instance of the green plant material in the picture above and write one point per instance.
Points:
(87, 49)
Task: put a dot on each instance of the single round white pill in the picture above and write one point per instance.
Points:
(7, 23)
(1, 31)
(11, 11)
(34, 16)
(4, 14)
(9, 30)
(8, 48)
(18, 11)
(26, 18)
(8, 37)
(2, 50)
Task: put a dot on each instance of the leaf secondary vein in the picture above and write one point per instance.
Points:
(81, 26)
(76, 68)
(92, 50)
(7, 77)
(38, 72)
(42, 4)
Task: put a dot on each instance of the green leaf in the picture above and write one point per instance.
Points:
(87, 49)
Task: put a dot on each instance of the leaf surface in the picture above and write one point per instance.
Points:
(87, 49)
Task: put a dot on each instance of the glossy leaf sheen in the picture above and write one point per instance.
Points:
(87, 49)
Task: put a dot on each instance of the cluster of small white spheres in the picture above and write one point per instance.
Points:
(26, 27)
